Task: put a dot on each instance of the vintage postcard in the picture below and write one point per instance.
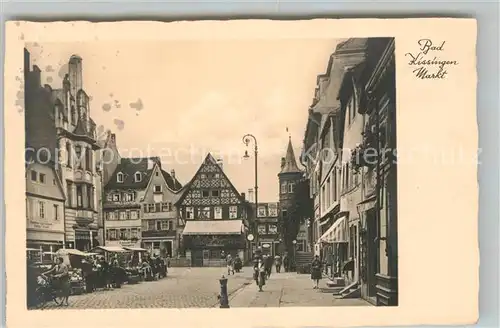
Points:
(257, 172)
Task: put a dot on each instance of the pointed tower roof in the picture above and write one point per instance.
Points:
(290, 164)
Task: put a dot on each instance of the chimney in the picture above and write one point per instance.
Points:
(243, 195)
(282, 162)
(37, 80)
(151, 163)
(113, 138)
(220, 163)
(172, 173)
(26, 64)
(250, 195)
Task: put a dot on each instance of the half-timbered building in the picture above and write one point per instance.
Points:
(214, 215)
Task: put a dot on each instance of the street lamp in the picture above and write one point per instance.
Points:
(246, 140)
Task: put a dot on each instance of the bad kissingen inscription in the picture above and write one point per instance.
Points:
(426, 62)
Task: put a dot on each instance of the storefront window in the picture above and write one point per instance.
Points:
(273, 229)
(151, 225)
(233, 212)
(218, 212)
(261, 229)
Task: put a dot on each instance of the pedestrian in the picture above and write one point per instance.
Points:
(230, 266)
(277, 263)
(316, 271)
(269, 265)
(61, 276)
(286, 263)
(259, 272)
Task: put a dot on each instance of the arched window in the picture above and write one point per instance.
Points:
(138, 176)
(68, 154)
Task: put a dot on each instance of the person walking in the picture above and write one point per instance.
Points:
(316, 271)
(229, 263)
(260, 272)
(286, 263)
(277, 263)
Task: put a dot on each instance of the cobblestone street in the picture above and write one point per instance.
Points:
(289, 289)
(183, 288)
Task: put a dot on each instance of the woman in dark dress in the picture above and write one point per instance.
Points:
(316, 271)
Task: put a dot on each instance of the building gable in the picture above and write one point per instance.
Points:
(211, 179)
(157, 180)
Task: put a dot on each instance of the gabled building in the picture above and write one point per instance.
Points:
(160, 215)
(44, 208)
(58, 121)
(214, 216)
(138, 199)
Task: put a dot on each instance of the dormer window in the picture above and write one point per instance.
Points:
(119, 177)
(138, 176)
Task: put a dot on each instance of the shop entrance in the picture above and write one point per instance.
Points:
(373, 251)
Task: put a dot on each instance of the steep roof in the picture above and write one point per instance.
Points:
(129, 166)
(290, 160)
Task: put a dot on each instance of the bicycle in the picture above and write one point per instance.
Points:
(46, 291)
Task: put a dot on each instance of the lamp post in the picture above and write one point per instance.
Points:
(246, 140)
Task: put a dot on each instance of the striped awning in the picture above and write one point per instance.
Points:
(214, 227)
(336, 233)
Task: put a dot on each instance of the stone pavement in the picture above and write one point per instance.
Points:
(183, 288)
(289, 289)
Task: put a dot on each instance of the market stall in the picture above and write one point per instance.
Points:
(133, 267)
(112, 264)
(76, 261)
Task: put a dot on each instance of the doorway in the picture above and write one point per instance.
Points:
(168, 248)
(197, 257)
(373, 252)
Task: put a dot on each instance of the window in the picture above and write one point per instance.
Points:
(261, 229)
(283, 188)
(284, 213)
(41, 209)
(124, 234)
(78, 153)
(68, 154)
(157, 188)
(215, 193)
(134, 215)
(217, 175)
(146, 210)
(119, 177)
(164, 207)
(128, 215)
(328, 193)
(33, 175)
(54, 182)
(116, 197)
(42, 178)
(134, 233)
(233, 212)
(122, 215)
(205, 193)
(218, 212)
(112, 234)
(157, 173)
(170, 225)
(79, 196)
(261, 211)
(323, 198)
(90, 196)
(151, 225)
(157, 207)
(205, 213)
(138, 177)
(69, 193)
(151, 208)
(130, 197)
(158, 225)
(334, 184)
(273, 210)
(203, 176)
(189, 213)
(272, 229)
(56, 212)
(347, 174)
(291, 187)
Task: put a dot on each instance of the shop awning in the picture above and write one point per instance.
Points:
(336, 233)
(214, 227)
(71, 251)
(135, 249)
(113, 249)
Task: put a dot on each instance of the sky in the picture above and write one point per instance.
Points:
(182, 99)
